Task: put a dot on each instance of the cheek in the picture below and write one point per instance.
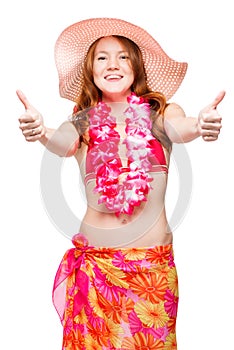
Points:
(131, 76)
(96, 75)
(96, 69)
(129, 70)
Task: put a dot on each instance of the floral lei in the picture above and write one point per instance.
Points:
(121, 188)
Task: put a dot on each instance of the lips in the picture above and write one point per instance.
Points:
(113, 77)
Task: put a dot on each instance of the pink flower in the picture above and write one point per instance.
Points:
(133, 98)
(100, 115)
(171, 305)
(160, 333)
(119, 261)
(107, 174)
(102, 155)
(103, 133)
(136, 325)
(106, 288)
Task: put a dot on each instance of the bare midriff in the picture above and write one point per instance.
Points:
(146, 227)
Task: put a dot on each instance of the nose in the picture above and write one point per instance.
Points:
(113, 63)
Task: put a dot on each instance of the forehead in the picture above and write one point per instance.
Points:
(109, 43)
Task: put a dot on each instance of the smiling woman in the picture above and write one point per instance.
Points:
(118, 288)
(112, 69)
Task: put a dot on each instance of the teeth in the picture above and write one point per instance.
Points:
(113, 76)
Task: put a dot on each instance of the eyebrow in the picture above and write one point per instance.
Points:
(106, 52)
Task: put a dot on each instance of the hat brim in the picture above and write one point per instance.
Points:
(162, 72)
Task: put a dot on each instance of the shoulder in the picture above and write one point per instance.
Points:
(173, 110)
(69, 132)
(68, 126)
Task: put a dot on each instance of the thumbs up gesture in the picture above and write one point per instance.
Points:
(31, 122)
(209, 121)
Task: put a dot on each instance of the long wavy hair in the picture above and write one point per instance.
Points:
(91, 94)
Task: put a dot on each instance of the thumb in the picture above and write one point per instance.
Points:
(217, 100)
(23, 99)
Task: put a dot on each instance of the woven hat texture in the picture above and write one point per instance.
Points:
(162, 72)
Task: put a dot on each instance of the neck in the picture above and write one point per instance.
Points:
(115, 97)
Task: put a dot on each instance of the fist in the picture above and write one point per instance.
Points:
(209, 121)
(31, 122)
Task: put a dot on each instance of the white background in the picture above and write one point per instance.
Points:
(31, 247)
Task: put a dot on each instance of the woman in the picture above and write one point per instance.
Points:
(118, 289)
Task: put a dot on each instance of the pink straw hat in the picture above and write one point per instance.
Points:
(163, 74)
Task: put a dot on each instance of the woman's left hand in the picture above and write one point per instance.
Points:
(209, 121)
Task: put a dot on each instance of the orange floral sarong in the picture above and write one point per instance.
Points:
(111, 298)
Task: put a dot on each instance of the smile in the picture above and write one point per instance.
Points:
(113, 77)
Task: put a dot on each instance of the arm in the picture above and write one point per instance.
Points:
(62, 141)
(180, 128)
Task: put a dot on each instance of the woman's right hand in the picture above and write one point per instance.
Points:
(31, 122)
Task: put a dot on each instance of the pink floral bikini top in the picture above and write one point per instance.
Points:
(121, 163)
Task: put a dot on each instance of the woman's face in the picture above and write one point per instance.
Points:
(112, 70)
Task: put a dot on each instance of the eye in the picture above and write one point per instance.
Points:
(124, 57)
(101, 58)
